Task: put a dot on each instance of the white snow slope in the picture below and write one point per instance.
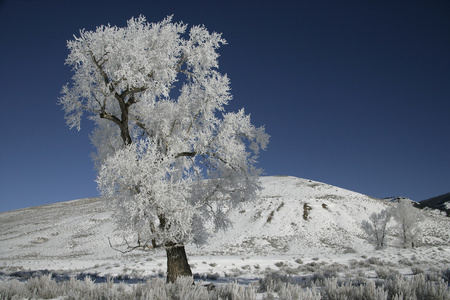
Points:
(74, 235)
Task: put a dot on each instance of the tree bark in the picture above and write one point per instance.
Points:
(177, 263)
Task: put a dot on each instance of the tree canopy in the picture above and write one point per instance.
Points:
(169, 157)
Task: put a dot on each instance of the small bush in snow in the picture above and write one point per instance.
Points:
(235, 272)
(43, 287)
(406, 262)
(233, 291)
(385, 273)
(279, 264)
(417, 270)
(375, 261)
(273, 282)
(313, 266)
(291, 271)
(335, 267)
(214, 276)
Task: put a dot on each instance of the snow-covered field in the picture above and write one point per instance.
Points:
(299, 228)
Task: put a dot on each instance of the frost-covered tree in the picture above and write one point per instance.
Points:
(376, 228)
(408, 217)
(170, 159)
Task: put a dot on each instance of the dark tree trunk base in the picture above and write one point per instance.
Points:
(177, 263)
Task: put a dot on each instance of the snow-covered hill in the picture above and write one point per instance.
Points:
(441, 203)
(293, 217)
(297, 215)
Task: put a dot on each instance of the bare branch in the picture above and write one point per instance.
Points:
(99, 66)
(131, 92)
(143, 247)
(192, 123)
(141, 125)
(106, 115)
(188, 154)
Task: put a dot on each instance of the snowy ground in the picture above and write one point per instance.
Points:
(245, 268)
(221, 270)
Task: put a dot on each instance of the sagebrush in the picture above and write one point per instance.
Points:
(418, 287)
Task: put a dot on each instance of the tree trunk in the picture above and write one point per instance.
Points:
(177, 263)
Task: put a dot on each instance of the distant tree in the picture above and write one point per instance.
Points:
(376, 228)
(408, 217)
(169, 158)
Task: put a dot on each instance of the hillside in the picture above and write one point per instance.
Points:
(441, 202)
(293, 216)
(297, 215)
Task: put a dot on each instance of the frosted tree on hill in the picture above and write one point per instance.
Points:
(408, 218)
(170, 159)
(376, 228)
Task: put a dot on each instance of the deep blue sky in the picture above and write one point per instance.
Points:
(354, 93)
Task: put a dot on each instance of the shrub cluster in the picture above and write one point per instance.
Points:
(395, 287)
(44, 287)
(418, 287)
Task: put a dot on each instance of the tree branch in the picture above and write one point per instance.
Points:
(141, 125)
(188, 154)
(144, 247)
(106, 115)
(131, 92)
(100, 69)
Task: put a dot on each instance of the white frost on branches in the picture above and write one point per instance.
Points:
(169, 158)
(408, 218)
(377, 227)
